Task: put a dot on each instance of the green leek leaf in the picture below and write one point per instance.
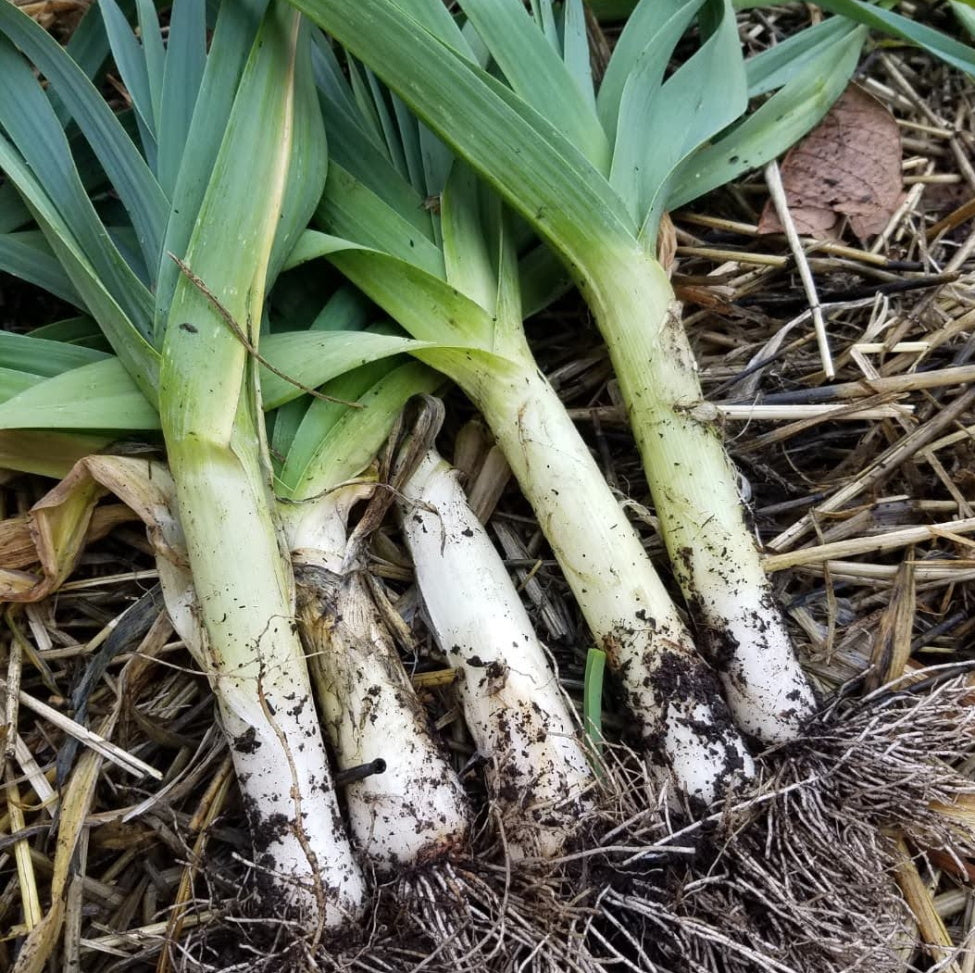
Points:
(130, 59)
(127, 170)
(185, 64)
(26, 255)
(952, 52)
(100, 395)
(775, 126)
(538, 75)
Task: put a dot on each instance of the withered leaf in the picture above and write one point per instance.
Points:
(848, 166)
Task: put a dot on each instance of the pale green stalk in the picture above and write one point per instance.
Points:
(212, 422)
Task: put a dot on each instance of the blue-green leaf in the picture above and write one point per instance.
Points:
(26, 255)
(130, 176)
(100, 395)
(182, 77)
(538, 74)
(775, 126)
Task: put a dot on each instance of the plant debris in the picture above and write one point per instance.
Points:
(848, 167)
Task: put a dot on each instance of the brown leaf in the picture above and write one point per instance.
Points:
(666, 243)
(848, 166)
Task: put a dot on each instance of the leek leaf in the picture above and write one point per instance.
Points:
(26, 255)
(140, 358)
(347, 204)
(13, 382)
(298, 426)
(965, 15)
(575, 50)
(691, 109)
(100, 395)
(154, 55)
(352, 148)
(468, 264)
(648, 31)
(592, 701)
(540, 171)
(182, 77)
(43, 357)
(53, 385)
(314, 357)
(46, 453)
(131, 62)
(427, 306)
(130, 176)
(775, 66)
(435, 18)
(42, 169)
(203, 361)
(775, 126)
(233, 37)
(651, 21)
(335, 443)
(538, 75)
(13, 212)
(82, 331)
(627, 100)
(952, 52)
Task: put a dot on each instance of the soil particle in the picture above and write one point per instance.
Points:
(247, 741)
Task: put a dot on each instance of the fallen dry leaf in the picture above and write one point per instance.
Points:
(848, 166)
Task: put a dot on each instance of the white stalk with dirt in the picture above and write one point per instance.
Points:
(538, 768)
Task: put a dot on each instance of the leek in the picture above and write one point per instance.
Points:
(415, 810)
(538, 769)
(593, 174)
(212, 425)
(251, 125)
(463, 295)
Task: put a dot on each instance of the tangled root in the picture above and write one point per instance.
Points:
(800, 877)
(479, 918)
(796, 877)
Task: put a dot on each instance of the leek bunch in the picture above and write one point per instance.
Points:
(593, 172)
(458, 275)
(593, 175)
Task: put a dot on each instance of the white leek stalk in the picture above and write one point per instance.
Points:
(414, 810)
(696, 498)
(537, 766)
(412, 819)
